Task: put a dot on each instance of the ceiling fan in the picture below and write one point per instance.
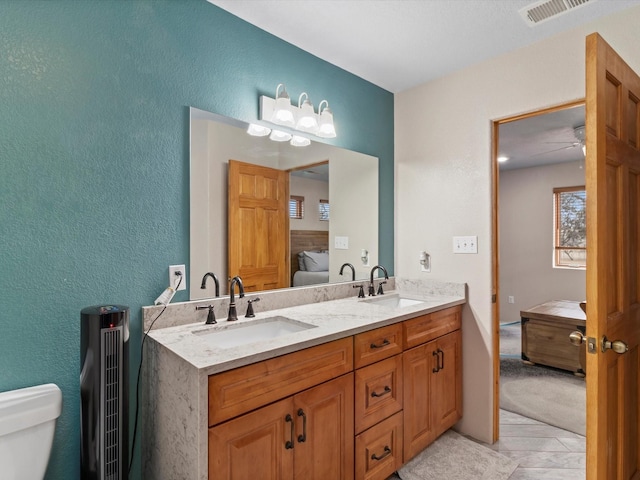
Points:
(579, 133)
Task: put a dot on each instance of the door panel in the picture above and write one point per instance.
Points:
(324, 448)
(613, 267)
(258, 226)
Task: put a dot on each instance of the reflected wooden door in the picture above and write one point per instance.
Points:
(258, 226)
(613, 263)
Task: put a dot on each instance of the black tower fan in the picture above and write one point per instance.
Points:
(104, 392)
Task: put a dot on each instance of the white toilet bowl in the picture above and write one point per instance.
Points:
(27, 424)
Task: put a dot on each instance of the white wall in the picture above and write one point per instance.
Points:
(526, 239)
(443, 174)
(312, 191)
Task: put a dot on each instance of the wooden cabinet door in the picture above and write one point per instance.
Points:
(447, 382)
(417, 366)
(432, 391)
(324, 431)
(254, 445)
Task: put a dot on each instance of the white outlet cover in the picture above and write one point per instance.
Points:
(172, 276)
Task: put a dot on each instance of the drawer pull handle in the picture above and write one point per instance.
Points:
(384, 343)
(289, 444)
(441, 357)
(387, 452)
(437, 367)
(387, 389)
(303, 438)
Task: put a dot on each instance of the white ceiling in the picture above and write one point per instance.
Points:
(398, 44)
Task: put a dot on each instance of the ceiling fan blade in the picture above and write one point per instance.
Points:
(556, 150)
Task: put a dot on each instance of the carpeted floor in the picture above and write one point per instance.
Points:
(555, 397)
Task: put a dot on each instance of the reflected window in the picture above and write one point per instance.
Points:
(296, 206)
(323, 209)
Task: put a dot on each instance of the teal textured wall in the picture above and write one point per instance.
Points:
(94, 168)
(94, 162)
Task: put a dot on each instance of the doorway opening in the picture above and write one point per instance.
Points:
(544, 150)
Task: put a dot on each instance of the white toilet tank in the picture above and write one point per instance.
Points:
(27, 424)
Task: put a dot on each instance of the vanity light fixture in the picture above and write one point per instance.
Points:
(282, 113)
(258, 130)
(279, 136)
(298, 141)
(302, 118)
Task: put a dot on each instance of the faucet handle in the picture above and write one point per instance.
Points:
(361, 291)
(211, 316)
(250, 313)
(380, 291)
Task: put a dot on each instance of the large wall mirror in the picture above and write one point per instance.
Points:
(338, 188)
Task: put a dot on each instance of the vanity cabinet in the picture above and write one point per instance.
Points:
(359, 407)
(307, 436)
(432, 378)
(306, 433)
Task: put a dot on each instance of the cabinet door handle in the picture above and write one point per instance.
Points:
(441, 356)
(387, 389)
(384, 343)
(289, 444)
(437, 367)
(387, 452)
(302, 438)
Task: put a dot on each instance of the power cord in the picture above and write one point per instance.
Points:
(144, 337)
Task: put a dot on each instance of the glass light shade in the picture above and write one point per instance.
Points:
(282, 111)
(298, 141)
(307, 121)
(326, 129)
(278, 136)
(258, 130)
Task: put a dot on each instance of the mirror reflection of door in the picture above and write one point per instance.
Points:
(258, 226)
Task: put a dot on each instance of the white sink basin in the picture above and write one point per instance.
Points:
(233, 335)
(393, 301)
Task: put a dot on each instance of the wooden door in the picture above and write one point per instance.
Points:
(324, 447)
(258, 226)
(613, 262)
(417, 367)
(447, 382)
(254, 446)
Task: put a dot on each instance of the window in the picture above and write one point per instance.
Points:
(296, 206)
(570, 229)
(323, 208)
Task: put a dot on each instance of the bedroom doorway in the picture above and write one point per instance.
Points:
(538, 183)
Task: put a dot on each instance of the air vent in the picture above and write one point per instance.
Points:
(540, 12)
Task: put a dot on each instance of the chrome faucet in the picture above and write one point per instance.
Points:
(233, 314)
(372, 290)
(353, 270)
(215, 279)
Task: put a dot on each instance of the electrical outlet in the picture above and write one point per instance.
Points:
(467, 244)
(511, 299)
(173, 278)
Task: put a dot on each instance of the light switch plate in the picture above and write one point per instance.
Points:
(468, 244)
(341, 243)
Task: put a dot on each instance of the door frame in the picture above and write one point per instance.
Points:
(495, 246)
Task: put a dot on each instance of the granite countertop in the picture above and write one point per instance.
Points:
(331, 320)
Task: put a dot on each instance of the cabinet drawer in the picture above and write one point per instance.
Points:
(378, 392)
(379, 450)
(425, 328)
(238, 391)
(378, 344)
